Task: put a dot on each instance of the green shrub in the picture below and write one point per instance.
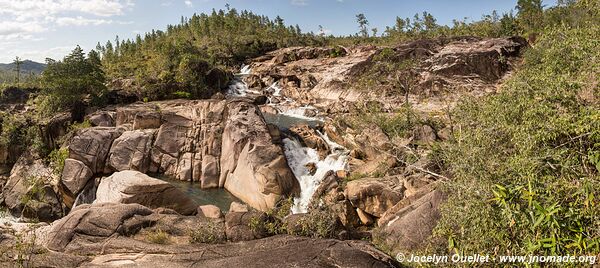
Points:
(57, 159)
(317, 223)
(158, 236)
(182, 95)
(525, 161)
(208, 233)
(83, 125)
(35, 186)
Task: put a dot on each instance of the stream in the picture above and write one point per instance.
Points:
(297, 155)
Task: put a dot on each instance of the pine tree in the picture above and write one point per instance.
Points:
(362, 24)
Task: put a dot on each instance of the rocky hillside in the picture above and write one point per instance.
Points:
(440, 71)
(353, 163)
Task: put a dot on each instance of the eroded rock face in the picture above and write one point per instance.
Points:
(309, 73)
(92, 145)
(218, 143)
(75, 176)
(131, 151)
(93, 223)
(373, 196)
(127, 187)
(443, 67)
(252, 167)
(408, 224)
(102, 119)
(28, 191)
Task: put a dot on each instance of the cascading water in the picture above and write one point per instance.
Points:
(238, 87)
(297, 155)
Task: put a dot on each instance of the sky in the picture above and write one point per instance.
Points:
(37, 29)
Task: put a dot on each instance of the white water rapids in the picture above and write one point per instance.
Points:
(297, 155)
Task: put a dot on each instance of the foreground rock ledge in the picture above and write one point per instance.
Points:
(107, 235)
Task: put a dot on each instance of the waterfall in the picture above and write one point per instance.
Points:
(296, 154)
(298, 157)
(238, 87)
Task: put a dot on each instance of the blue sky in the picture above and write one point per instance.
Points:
(36, 29)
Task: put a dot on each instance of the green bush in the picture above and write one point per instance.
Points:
(525, 162)
(57, 159)
(158, 236)
(317, 223)
(208, 233)
(182, 95)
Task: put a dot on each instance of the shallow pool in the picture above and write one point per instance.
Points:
(218, 197)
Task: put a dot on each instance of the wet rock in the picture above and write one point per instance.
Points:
(312, 168)
(127, 187)
(328, 189)
(310, 138)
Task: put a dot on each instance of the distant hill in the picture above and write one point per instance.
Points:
(27, 66)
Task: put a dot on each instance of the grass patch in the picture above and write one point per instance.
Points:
(158, 236)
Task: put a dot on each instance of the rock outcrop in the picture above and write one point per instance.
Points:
(93, 223)
(131, 151)
(28, 191)
(443, 67)
(104, 235)
(410, 222)
(218, 143)
(373, 196)
(253, 168)
(310, 138)
(133, 187)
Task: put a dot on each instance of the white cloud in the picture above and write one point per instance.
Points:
(12, 27)
(189, 3)
(81, 21)
(24, 21)
(25, 9)
(299, 2)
